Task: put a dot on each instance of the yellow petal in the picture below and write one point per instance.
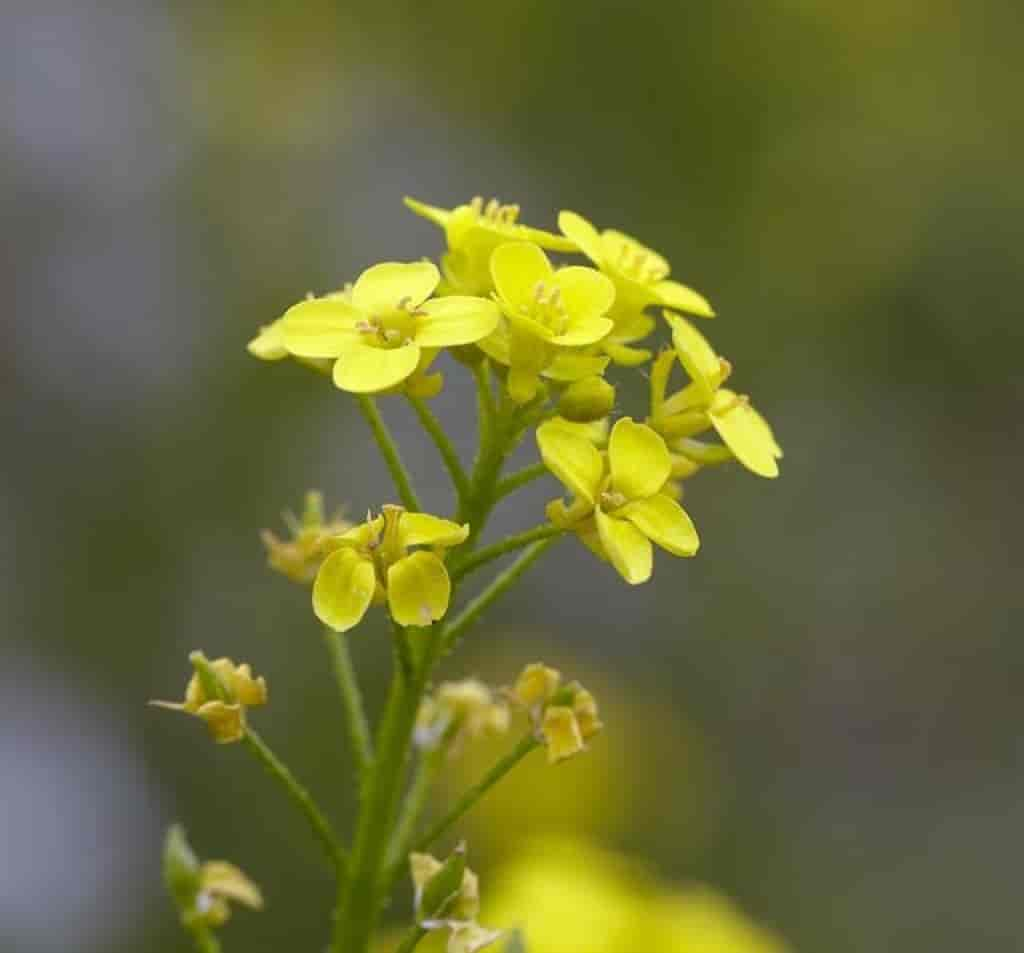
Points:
(226, 880)
(422, 529)
(631, 258)
(664, 521)
(624, 355)
(418, 589)
(268, 345)
(586, 293)
(745, 433)
(571, 458)
(517, 268)
(536, 684)
(455, 320)
(672, 294)
(577, 228)
(223, 720)
(571, 366)
(364, 369)
(343, 589)
(583, 332)
(561, 733)
(469, 937)
(639, 460)
(320, 327)
(628, 549)
(384, 287)
(523, 384)
(695, 354)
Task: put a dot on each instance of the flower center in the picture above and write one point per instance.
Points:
(547, 308)
(611, 500)
(389, 330)
(640, 264)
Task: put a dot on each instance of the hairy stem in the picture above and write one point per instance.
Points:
(389, 450)
(303, 800)
(444, 446)
(357, 726)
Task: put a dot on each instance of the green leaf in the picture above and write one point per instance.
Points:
(181, 868)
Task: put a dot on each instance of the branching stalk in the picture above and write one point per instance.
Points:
(389, 450)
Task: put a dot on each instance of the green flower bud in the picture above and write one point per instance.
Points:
(181, 868)
(586, 400)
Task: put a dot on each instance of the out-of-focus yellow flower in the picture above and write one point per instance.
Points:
(473, 231)
(300, 557)
(641, 279)
(549, 317)
(459, 712)
(389, 331)
(609, 905)
(371, 563)
(619, 506)
(704, 404)
(565, 718)
(219, 692)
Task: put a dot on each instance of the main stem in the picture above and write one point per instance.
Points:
(360, 902)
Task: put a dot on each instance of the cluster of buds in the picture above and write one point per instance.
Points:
(564, 717)
(219, 692)
(203, 891)
(447, 897)
(458, 712)
(300, 556)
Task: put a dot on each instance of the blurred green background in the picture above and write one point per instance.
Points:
(820, 715)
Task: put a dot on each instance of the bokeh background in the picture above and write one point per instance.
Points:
(820, 716)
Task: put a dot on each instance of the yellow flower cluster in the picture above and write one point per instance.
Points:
(219, 692)
(564, 716)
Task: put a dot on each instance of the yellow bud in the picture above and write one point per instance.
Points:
(585, 708)
(536, 685)
(586, 400)
(226, 722)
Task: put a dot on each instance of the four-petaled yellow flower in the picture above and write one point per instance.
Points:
(372, 564)
(619, 505)
(704, 403)
(219, 692)
(390, 330)
(641, 279)
(473, 231)
(550, 316)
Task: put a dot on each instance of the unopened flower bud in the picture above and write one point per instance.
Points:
(587, 400)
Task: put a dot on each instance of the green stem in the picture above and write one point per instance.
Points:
(305, 803)
(389, 450)
(206, 942)
(475, 793)
(444, 446)
(416, 802)
(483, 556)
(359, 903)
(519, 479)
(486, 412)
(411, 940)
(351, 699)
(501, 583)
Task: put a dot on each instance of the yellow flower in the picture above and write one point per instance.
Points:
(219, 692)
(300, 557)
(641, 279)
(704, 403)
(473, 231)
(459, 712)
(389, 330)
(371, 563)
(620, 505)
(549, 316)
(565, 718)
